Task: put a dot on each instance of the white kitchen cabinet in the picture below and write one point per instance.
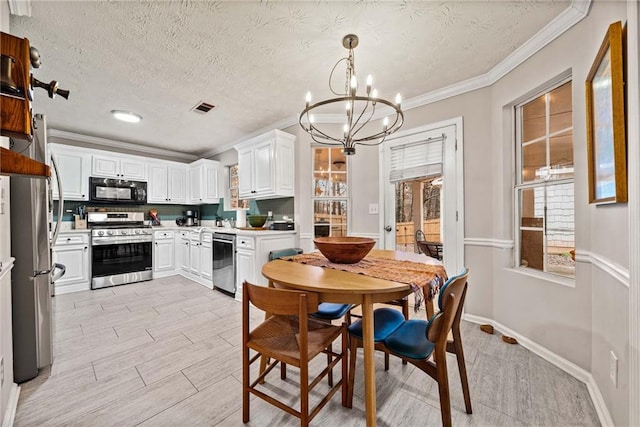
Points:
(266, 166)
(195, 246)
(204, 181)
(183, 251)
(72, 251)
(245, 262)
(120, 167)
(252, 252)
(206, 257)
(74, 167)
(167, 183)
(163, 251)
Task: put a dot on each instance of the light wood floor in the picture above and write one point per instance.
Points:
(167, 352)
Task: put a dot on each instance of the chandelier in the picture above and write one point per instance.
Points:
(359, 110)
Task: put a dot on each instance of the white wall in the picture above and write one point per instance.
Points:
(6, 343)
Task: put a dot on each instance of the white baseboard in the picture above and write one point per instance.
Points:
(67, 289)
(562, 363)
(166, 273)
(12, 406)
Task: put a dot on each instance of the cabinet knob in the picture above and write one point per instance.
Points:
(156, 243)
(86, 247)
(253, 191)
(68, 239)
(83, 195)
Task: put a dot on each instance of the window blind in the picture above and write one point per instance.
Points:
(417, 159)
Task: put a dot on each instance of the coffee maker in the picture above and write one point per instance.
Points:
(191, 218)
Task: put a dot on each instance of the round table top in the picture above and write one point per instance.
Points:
(341, 286)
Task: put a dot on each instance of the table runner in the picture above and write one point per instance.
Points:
(415, 274)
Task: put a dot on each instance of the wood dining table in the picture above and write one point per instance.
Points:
(347, 287)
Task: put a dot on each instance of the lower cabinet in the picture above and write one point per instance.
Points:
(206, 257)
(72, 251)
(183, 251)
(194, 256)
(164, 254)
(253, 252)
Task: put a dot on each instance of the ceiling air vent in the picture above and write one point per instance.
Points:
(203, 107)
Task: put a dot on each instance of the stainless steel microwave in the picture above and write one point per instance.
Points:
(107, 190)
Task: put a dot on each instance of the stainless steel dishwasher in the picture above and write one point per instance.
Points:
(224, 262)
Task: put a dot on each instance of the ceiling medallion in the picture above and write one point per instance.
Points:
(359, 110)
(126, 116)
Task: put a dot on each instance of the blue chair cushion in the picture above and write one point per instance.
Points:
(410, 339)
(451, 279)
(273, 255)
(331, 311)
(385, 321)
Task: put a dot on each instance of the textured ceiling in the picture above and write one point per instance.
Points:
(253, 60)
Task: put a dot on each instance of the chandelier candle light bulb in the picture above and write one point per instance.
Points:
(360, 110)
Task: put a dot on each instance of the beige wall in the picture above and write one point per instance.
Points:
(581, 324)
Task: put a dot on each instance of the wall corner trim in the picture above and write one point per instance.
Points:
(12, 406)
(556, 360)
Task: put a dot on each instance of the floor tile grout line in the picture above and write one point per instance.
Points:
(185, 335)
(190, 382)
(169, 407)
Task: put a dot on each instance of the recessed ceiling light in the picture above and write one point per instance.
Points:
(126, 116)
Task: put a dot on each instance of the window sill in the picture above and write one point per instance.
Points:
(547, 277)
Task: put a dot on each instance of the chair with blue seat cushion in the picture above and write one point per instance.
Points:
(327, 311)
(385, 321)
(424, 344)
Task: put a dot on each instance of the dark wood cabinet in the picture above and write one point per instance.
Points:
(15, 105)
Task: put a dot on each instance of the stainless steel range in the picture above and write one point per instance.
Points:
(121, 248)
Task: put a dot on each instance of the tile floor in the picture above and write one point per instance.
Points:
(167, 353)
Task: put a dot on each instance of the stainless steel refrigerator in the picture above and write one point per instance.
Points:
(33, 273)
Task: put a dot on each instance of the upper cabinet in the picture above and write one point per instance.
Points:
(74, 167)
(204, 182)
(266, 166)
(167, 183)
(119, 168)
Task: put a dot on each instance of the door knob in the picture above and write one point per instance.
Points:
(388, 228)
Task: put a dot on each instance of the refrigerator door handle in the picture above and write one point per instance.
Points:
(60, 201)
(61, 267)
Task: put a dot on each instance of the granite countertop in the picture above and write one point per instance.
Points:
(224, 230)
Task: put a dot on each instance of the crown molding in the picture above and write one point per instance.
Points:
(575, 13)
(281, 124)
(110, 143)
(20, 7)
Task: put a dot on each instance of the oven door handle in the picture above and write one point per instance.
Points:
(107, 241)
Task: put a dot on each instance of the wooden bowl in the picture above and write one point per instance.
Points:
(344, 250)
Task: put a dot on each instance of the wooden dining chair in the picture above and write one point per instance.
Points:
(327, 311)
(424, 344)
(288, 336)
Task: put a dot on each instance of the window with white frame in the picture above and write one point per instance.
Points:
(330, 192)
(544, 188)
